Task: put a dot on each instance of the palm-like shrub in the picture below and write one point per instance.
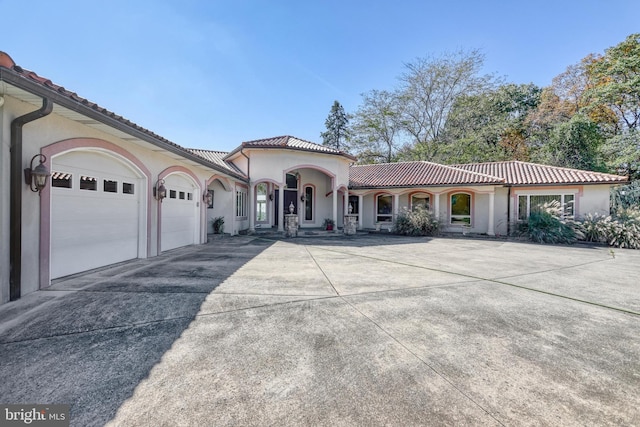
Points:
(418, 222)
(621, 230)
(546, 225)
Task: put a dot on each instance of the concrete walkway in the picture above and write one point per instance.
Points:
(371, 330)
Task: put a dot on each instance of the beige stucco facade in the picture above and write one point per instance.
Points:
(102, 203)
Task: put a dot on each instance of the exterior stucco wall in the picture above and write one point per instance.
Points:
(588, 198)
(594, 199)
(323, 172)
(54, 129)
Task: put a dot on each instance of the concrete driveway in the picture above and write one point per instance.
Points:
(371, 330)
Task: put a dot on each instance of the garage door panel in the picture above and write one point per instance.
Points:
(179, 216)
(93, 228)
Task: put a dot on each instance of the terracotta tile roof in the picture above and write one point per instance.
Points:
(293, 143)
(415, 174)
(523, 173)
(216, 157)
(77, 103)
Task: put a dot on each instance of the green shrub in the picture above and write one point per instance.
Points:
(597, 227)
(418, 222)
(218, 225)
(626, 231)
(625, 196)
(545, 225)
(621, 230)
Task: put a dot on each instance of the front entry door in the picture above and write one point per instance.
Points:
(290, 196)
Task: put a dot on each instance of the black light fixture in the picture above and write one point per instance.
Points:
(303, 198)
(206, 198)
(160, 191)
(271, 196)
(36, 178)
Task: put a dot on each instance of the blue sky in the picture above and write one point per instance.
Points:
(211, 74)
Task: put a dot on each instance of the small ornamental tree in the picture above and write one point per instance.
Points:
(337, 133)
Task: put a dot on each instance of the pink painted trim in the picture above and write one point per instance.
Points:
(76, 144)
(221, 179)
(171, 170)
(472, 212)
(310, 166)
(428, 193)
(313, 206)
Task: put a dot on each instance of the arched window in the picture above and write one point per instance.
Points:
(420, 199)
(261, 202)
(308, 203)
(461, 209)
(384, 208)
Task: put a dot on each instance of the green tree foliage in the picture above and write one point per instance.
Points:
(491, 126)
(445, 110)
(337, 134)
(429, 89)
(622, 154)
(375, 127)
(574, 144)
(613, 89)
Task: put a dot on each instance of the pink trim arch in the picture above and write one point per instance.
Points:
(222, 180)
(171, 171)
(472, 203)
(310, 166)
(80, 144)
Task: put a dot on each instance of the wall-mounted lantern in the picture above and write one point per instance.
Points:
(36, 178)
(160, 191)
(207, 198)
(303, 198)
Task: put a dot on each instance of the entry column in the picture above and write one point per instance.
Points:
(492, 202)
(251, 208)
(280, 207)
(335, 208)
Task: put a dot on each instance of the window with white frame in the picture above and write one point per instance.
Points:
(241, 202)
(261, 202)
(384, 208)
(461, 209)
(420, 199)
(528, 203)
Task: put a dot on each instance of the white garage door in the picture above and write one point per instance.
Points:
(179, 213)
(96, 214)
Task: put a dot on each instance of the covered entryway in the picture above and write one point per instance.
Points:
(180, 213)
(97, 214)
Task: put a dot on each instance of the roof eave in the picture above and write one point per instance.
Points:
(382, 187)
(233, 153)
(24, 83)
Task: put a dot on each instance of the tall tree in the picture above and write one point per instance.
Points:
(375, 127)
(575, 144)
(614, 85)
(622, 154)
(429, 89)
(337, 133)
(491, 126)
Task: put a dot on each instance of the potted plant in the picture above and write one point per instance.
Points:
(328, 224)
(218, 225)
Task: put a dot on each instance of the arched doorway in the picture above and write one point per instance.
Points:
(98, 214)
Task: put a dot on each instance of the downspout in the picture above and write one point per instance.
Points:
(508, 210)
(16, 186)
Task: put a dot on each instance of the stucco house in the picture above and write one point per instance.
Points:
(116, 191)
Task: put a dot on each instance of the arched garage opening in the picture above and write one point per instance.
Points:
(98, 209)
(179, 211)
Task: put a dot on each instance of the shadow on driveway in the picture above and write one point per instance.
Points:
(90, 339)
